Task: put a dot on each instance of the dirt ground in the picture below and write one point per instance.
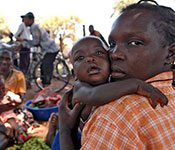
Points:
(43, 129)
(34, 90)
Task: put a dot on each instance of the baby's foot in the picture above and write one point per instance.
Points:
(53, 121)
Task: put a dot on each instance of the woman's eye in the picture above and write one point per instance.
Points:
(136, 43)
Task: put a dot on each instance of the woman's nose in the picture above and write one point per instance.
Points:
(116, 54)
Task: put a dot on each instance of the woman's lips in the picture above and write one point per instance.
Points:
(117, 74)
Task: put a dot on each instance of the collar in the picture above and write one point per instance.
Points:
(165, 78)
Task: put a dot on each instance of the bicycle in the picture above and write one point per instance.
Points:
(61, 73)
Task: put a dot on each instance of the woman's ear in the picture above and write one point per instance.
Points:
(171, 54)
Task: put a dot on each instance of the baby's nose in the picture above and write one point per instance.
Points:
(90, 59)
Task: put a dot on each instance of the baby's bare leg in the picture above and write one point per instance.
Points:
(53, 126)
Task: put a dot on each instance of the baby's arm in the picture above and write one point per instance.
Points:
(108, 92)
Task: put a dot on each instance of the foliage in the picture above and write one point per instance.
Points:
(4, 29)
(35, 143)
(121, 4)
(62, 29)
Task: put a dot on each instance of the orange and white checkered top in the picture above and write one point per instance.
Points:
(131, 123)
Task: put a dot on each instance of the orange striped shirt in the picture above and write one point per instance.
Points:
(131, 123)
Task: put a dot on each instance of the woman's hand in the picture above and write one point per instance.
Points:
(68, 123)
(68, 118)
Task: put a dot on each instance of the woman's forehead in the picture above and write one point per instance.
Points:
(133, 21)
(5, 54)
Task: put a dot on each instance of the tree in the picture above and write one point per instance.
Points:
(121, 4)
(4, 29)
(62, 29)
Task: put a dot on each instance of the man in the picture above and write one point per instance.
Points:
(142, 42)
(23, 33)
(41, 38)
(97, 33)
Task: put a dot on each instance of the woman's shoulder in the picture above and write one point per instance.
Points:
(16, 72)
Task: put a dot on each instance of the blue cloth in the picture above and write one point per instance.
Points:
(56, 143)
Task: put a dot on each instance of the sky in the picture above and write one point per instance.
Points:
(96, 12)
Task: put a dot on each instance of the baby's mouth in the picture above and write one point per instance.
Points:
(93, 70)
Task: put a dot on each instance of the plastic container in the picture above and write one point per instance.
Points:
(40, 114)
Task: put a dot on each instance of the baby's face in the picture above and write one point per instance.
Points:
(90, 61)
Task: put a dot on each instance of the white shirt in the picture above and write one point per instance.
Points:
(41, 38)
(23, 32)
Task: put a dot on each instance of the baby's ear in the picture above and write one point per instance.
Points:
(171, 54)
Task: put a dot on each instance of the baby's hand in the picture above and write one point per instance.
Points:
(154, 94)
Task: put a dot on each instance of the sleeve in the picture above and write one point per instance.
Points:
(104, 134)
(36, 36)
(21, 85)
(96, 33)
(19, 31)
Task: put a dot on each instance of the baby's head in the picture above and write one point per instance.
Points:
(90, 60)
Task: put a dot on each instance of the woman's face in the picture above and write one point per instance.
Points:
(5, 63)
(136, 50)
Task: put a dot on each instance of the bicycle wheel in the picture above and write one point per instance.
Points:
(60, 78)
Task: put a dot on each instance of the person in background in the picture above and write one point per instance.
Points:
(14, 79)
(142, 42)
(23, 32)
(12, 92)
(97, 33)
(41, 37)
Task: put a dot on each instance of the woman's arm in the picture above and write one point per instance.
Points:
(6, 107)
(68, 127)
(108, 92)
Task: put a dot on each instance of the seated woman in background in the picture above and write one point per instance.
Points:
(13, 89)
(14, 79)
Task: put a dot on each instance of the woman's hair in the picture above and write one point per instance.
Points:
(164, 19)
(4, 51)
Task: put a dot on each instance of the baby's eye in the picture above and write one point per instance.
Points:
(79, 58)
(136, 43)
